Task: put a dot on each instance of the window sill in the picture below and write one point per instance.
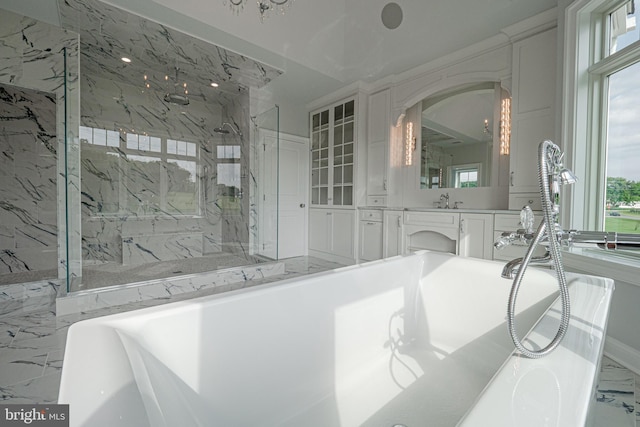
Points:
(618, 266)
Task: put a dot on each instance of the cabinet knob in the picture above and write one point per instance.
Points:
(302, 205)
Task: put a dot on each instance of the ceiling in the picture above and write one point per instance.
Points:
(324, 45)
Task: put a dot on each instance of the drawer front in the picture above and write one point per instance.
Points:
(519, 200)
(511, 222)
(376, 201)
(371, 215)
(442, 219)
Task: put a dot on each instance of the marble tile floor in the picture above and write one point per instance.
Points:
(617, 396)
(32, 350)
(32, 340)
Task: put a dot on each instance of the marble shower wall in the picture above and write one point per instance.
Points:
(33, 56)
(121, 200)
(125, 206)
(28, 219)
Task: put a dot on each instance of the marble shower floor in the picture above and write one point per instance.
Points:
(32, 348)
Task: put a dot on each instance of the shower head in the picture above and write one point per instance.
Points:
(223, 131)
(177, 99)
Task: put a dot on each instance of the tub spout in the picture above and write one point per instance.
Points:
(511, 268)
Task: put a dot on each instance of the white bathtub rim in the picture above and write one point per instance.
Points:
(525, 365)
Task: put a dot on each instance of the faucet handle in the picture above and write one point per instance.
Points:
(455, 204)
(527, 219)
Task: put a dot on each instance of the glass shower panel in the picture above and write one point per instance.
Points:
(267, 148)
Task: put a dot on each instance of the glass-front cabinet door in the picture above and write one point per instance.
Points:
(333, 155)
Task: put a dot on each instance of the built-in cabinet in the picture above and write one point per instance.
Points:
(533, 113)
(333, 154)
(332, 215)
(331, 234)
(370, 232)
(361, 163)
(392, 232)
(378, 132)
(476, 235)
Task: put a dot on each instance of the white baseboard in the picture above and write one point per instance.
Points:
(623, 354)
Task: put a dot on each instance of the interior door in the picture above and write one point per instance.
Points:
(293, 196)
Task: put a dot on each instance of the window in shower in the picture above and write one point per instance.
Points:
(140, 174)
(229, 176)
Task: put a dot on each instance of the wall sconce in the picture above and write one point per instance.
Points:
(505, 127)
(409, 145)
(486, 129)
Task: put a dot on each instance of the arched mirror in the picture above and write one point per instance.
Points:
(461, 136)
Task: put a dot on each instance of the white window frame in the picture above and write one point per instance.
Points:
(585, 71)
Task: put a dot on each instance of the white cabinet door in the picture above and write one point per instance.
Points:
(333, 154)
(476, 236)
(378, 130)
(392, 239)
(332, 234)
(343, 233)
(533, 108)
(319, 228)
(370, 240)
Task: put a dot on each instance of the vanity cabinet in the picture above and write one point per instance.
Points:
(392, 237)
(332, 234)
(333, 154)
(370, 232)
(476, 235)
(378, 137)
(533, 113)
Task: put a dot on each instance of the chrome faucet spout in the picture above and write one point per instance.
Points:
(445, 197)
(511, 268)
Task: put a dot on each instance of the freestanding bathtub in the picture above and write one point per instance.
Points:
(419, 340)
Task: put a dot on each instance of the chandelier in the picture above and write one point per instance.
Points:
(264, 6)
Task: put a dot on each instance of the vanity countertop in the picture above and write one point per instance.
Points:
(459, 210)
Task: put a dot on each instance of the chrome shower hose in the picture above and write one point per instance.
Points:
(547, 225)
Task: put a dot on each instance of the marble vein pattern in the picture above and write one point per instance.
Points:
(163, 288)
(32, 341)
(35, 56)
(107, 33)
(28, 187)
(616, 396)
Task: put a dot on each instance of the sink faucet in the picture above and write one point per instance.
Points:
(444, 197)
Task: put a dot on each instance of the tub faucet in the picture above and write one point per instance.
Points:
(445, 197)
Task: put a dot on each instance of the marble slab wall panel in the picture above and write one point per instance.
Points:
(28, 204)
(33, 55)
(145, 248)
(108, 218)
(107, 33)
(236, 222)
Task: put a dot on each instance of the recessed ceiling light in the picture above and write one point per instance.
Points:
(214, 84)
(125, 59)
